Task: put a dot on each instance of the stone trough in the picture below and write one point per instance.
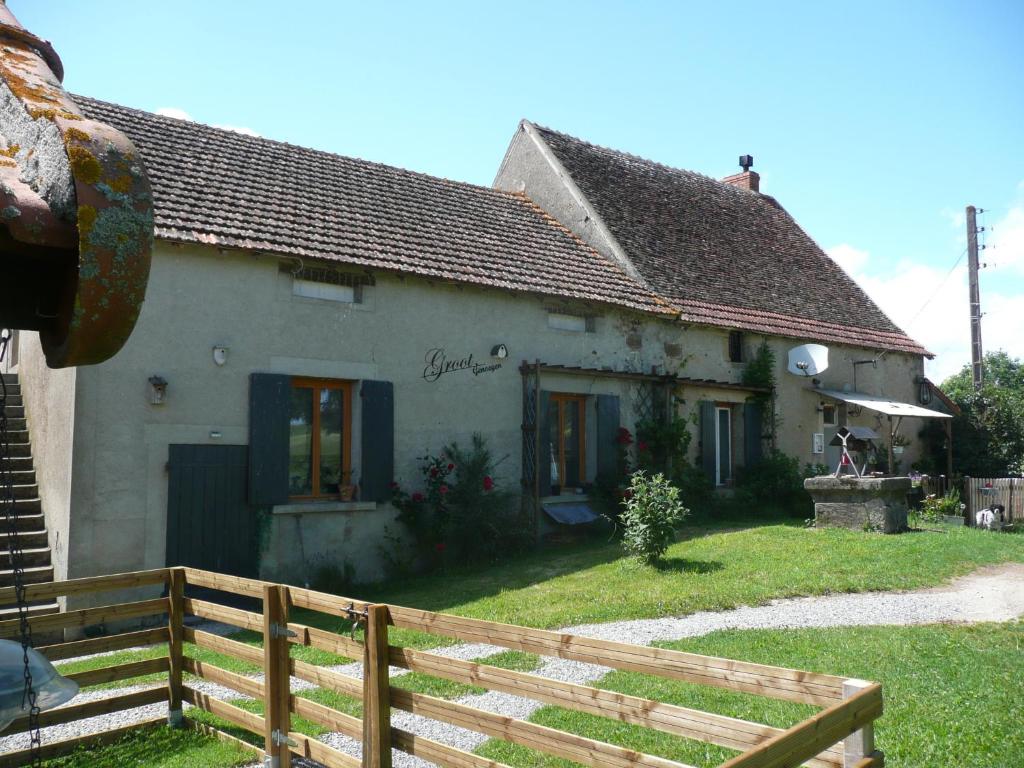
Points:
(860, 503)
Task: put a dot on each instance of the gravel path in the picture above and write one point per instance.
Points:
(990, 594)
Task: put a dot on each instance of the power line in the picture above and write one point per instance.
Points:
(938, 288)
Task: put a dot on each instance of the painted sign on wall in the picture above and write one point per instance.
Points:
(437, 364)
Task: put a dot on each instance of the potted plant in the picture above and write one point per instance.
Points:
(899, 442)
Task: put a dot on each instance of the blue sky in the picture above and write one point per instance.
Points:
(873, 123)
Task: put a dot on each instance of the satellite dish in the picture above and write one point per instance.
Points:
(808, 360)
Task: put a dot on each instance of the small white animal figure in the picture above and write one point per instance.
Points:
(990, 518)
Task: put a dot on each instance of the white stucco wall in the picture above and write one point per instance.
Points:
(200, 297)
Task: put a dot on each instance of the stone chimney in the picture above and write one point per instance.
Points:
(746, 179)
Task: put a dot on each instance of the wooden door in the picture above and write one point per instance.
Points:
(210, 524)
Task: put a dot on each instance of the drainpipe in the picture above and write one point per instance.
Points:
(76, 211)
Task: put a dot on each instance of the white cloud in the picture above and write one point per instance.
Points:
(180, 114)
(853, 260)
(930, 303)
(1006, 241)
(238, 129)
(175, 112)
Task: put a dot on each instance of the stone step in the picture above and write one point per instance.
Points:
(18, 436)
(16, 425)
(17, 463)
(35, 557)
(26, 539)
(36, 574)
(23, 476)
(9, 378)
(26, 491)
(34, 609)
(27, 507)
(25, 522)
(19, 450)
(13, 401)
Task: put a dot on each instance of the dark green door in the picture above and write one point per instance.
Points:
(210, 524)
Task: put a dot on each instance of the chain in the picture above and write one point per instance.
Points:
(16, 558)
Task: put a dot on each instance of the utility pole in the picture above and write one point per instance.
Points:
(972, 270)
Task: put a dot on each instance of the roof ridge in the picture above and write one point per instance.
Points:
(238, 136)
(636, 158)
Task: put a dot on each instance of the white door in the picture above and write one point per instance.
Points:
(723, 445)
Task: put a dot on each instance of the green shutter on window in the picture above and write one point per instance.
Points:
(707, 438)
(607, 434)
(378, 440)
(752, 429)
(269, 397)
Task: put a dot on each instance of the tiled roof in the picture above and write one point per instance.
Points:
(726, 256)
(224, 188)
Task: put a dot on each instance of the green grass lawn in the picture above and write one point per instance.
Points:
(953, 694)
(160, 747)
(710, 569)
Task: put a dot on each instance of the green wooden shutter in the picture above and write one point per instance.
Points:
(544, 455)
(269, 407)
(752, 429)
(378, 440)
(607, 434)
(707, 438)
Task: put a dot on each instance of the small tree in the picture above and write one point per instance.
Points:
(653, 512)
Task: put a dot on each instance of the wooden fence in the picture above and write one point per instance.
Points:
(981, 492)
(840, 735)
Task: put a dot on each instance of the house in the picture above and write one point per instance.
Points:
(315, 323)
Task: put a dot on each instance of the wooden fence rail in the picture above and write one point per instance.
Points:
(839, 736)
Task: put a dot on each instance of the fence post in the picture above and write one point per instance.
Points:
(175, 617)
(376, 690)
(860, 744)
(276, 677)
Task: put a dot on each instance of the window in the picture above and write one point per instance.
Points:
(735, 346)
(347, 294)
(319, 438)
(568, 428)
(723, 445)
(578, 323)
(829, 415)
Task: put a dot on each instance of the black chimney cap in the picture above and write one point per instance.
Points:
(746, 162)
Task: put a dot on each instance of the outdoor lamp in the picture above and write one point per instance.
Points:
(51, 688)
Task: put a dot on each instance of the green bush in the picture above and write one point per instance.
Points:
(775, 482)
(653, 512)
(933, 508)
(461, 515)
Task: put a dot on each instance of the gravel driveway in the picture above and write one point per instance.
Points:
(990, 594)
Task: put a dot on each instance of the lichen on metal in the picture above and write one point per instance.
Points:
(76, 216)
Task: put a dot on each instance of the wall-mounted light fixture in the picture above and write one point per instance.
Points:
(157, 390)
(499, 351)
(220, 355)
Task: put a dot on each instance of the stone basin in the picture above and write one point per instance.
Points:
(860, 503)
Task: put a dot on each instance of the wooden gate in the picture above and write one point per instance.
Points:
(209, 521)
(981, 492)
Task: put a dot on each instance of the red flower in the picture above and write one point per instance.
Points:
(439, 546)
(451, 467)
(417, 496)
(624, 437)
(488, 483)
(433, 471)
(393, 485)
(627, 494)
(641, 446)
(443, 490)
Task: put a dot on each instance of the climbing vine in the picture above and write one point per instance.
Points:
(760, 373)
